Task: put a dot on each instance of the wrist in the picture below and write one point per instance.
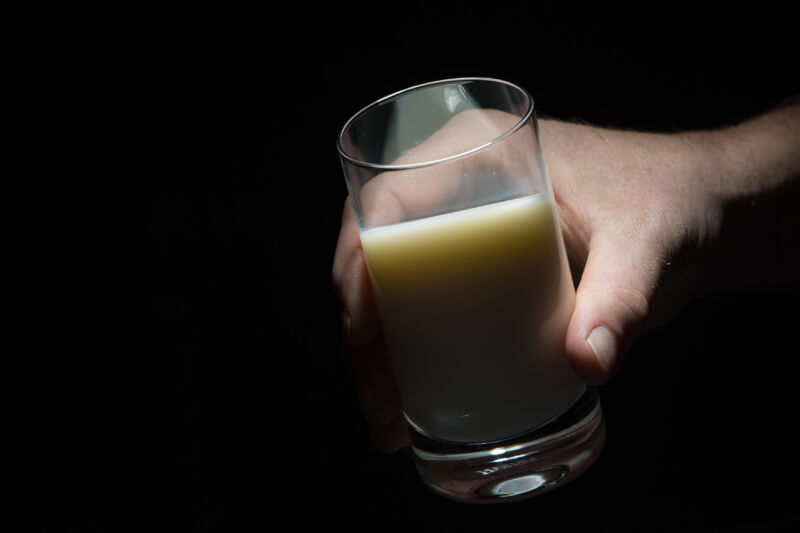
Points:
(756, 157)
(750, 176)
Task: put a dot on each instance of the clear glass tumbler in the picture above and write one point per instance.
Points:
(460, 233)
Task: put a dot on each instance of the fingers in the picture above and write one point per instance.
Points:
(351, 280)
(497, 172)
(365, 353)
(611, 305)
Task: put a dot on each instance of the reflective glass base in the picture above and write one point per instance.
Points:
(518, 467)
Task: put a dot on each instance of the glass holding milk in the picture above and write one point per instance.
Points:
(460, 234)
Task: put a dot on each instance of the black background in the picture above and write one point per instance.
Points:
(228, 402)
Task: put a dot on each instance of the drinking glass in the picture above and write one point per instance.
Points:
(459, 229)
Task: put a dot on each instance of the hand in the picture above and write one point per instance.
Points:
(645, 219)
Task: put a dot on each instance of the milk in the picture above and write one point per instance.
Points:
(463, 298)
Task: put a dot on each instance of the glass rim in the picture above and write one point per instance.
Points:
(522, 121)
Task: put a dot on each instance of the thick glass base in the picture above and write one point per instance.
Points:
(518, 467)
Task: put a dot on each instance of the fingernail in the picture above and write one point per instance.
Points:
(604, 346)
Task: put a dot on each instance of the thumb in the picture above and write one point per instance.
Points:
(611, 305)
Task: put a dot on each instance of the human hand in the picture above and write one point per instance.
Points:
(641, 216)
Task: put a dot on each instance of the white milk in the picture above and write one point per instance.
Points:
(462, 299)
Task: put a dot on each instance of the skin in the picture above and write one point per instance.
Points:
(650, 223)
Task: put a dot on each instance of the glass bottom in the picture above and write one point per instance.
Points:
(518, 467)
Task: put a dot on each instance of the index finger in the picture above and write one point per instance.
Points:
(352, 284)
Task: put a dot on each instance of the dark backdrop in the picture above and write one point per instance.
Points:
(241, 411)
